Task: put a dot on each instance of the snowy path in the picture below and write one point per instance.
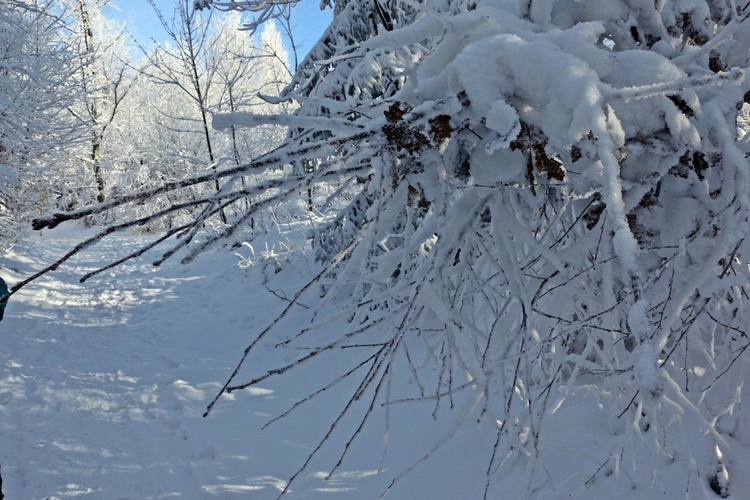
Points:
(103, 384)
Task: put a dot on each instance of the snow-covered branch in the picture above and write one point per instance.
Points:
(536, 202)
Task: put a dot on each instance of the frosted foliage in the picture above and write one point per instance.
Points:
(525, 201)
(37, 68)
(158, 134)
(552, 190)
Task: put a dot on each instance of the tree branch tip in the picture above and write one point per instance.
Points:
(49, 222)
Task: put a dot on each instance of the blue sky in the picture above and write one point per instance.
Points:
(307, 19)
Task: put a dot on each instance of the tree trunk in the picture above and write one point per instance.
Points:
(98, 171)
(202, 103)
(89, 81)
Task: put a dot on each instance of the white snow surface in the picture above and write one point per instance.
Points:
(103, 386)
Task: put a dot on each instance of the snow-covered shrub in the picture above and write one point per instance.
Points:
(272, 260)
(549, 195)
(545, 195)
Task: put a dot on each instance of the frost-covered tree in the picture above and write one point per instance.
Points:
(183, 63)
(163, 131)
(246, 69)
(105, 78)
(153, 145)
(542, 199)
(37, 67)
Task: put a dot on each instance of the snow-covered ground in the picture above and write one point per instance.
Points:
(103, 386)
